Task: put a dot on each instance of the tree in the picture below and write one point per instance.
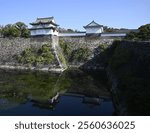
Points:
(22, 27)
(10, 31)
(18, 29)
(131, 36)
(70, 30)
(144, 32)
(25, 33)
(1, 30)
(14, 31)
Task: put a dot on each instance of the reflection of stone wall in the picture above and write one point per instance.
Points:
(9, 47)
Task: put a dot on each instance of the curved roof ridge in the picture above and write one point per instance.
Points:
(93, 22)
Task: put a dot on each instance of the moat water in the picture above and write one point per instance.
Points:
(78, 93)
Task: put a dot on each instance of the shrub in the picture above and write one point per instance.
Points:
(142, 34)
(80, 54)
(65, 46)
(31, 56)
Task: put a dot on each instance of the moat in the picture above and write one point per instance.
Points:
(29, 93)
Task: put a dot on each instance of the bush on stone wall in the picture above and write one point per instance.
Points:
(80, 55)
(103, 47)
(31, 56)
(65, 46)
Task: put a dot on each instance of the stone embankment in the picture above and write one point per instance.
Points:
(46, 69)
(128, 72)
(11, 47)
(90, 42)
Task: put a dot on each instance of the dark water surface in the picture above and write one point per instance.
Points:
(31, 93)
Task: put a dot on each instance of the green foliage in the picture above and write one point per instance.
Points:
(70, 30)
(143, 34)
(32, 57)
(27, 56)
(103, 47)
(62, 59)
(119, 58)
(107, 29)
(131, 36)
(18, 29)
(80, 54)
(66, 49)
(45, 54)
(21, 87)
(130, 63)
(25, 33)
(10, 31)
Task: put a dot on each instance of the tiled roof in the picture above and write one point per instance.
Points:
(93, 24)
(47, 20)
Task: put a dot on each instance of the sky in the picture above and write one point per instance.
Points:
(75, 14)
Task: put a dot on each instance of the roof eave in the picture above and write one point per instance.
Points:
(43, 23)
(93, 26)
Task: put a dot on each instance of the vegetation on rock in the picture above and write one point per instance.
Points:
(66, 48)
(80, 54)
(129, 62)
(31, 56)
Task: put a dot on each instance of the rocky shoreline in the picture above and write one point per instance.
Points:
(44, 69)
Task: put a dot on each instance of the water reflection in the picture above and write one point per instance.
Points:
(74, 93)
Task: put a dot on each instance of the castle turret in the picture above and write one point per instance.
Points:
(44, 26)
(93, 28)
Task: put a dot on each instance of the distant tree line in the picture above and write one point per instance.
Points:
(108, 29)
(142, 34)
(18, 29)
(63, 30)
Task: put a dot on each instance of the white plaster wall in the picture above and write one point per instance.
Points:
(72, 34)
(55, 33)
(43, 32)
(113, 34)
(94, 30)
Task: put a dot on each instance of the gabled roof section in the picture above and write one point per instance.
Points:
(48, 20)
(93, 24)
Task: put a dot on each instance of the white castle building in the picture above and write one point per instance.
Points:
(93, 28)
(44, 26)
(48, 26)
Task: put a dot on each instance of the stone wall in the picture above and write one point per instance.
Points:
(95, 60)
(9, 47)
(128, 71)
(91, 42)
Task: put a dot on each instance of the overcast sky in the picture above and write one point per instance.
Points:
(77, 13)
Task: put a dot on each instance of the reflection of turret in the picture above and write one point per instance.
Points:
(54, 98)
